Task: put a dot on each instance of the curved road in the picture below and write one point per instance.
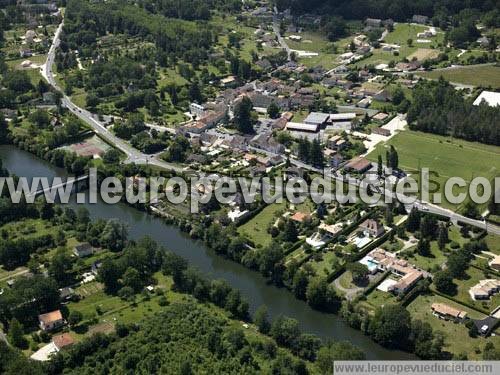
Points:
(133, 155)
(136, 156)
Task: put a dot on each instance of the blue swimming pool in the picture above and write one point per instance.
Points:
(368, 262)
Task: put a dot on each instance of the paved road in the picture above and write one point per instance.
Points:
(133, 155)
(281, 40)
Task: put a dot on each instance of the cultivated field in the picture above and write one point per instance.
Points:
(422, 54)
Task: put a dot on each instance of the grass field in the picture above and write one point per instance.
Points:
(256, 229)
(446, 157)
(484, 75)
(473, 276)
(422, 54)
(437, 257)
(456, 335)
(378, 298)
(329, 263)
(493, 243)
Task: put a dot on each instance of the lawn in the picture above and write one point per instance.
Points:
(377, 299)
(325, 264)
(28, 228)
(402, 32)
(256, 228)
(456, 337)
(298, 255)
(493, 243)
(79, 97)
(484, 75)
(400, 35)
(463, 286)
(435, 259)
(316, 42)
(443, 155)
(311, 41)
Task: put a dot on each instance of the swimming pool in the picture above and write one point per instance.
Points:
(368, 262)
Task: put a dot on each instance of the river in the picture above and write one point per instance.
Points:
(251, 284)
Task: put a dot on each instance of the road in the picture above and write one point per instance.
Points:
(281, 40)
(133, 155)
(136, 156)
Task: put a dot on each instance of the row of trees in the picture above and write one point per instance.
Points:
(438, 108)
(310, 152)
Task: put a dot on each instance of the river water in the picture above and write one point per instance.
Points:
(251, 284)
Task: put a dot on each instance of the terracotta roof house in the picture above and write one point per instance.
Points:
(300, 217)
(387, 261)
(484, 289)
(372, 227)
(381, 116)
(51, 320)
(447, 312)
(359, 164)
(495, 263)
(62, 341)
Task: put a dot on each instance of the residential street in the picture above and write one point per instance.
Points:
(133, 155)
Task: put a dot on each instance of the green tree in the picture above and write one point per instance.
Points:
(261, 319)
(114, 235)
(442, 236)
(391, 326)
(299, 284)
(109, 275)
(337, 351)
(290, 233)
(316, 156)
(304, 147)
(380, 166)
(321, 296)
(359, 272)
(132, 278)
(444, 282)
(273, 110)
(424, 247)
(16, 334)
(243, 120)
(74, 318)
(285, 331)
(413, 222)
(4, 129)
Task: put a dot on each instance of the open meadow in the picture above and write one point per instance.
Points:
(445, 156)
(484, 75)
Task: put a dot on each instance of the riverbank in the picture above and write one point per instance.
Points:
(253, 286)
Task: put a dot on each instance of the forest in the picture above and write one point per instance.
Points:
(438, 108)
(399, 10)
(174, 37)
(190, 9)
